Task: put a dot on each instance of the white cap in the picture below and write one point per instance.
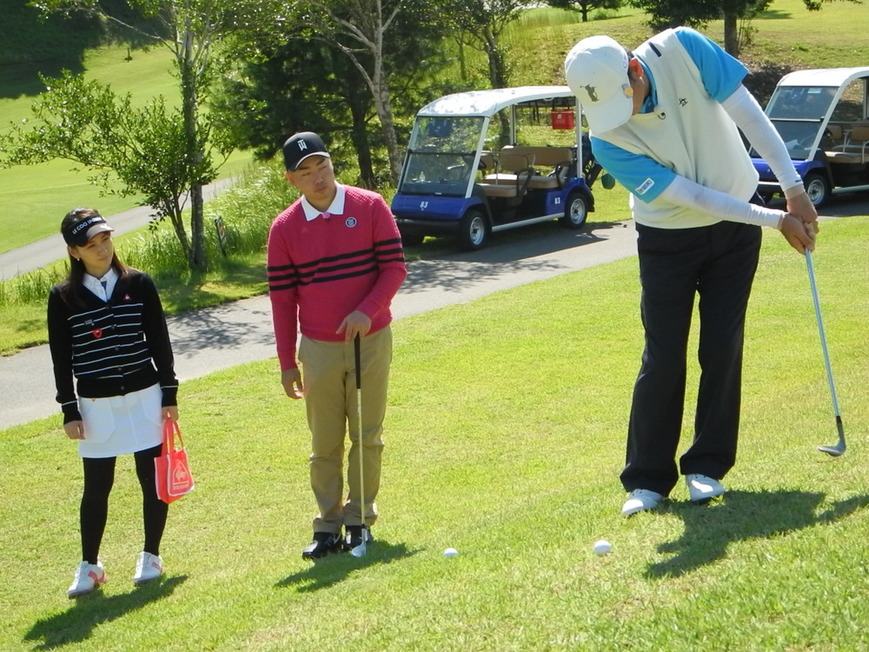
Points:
(596, 70)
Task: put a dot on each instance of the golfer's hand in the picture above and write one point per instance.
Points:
(74, 429)
(801, 207)
(357, 322)
(170, 412)
(799, 235)
(291, 379)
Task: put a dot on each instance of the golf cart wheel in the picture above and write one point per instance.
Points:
(817, 188)
(473, 230)
(576, 211)
(411, 239)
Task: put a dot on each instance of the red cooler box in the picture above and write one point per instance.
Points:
(563, 120)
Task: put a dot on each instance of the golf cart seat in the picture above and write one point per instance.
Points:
(503, 190)
(513, 186)
(855, 150)
(487, 162)
(508, 167)
(559, 159)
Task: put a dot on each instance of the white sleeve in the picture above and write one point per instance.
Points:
(684, 192)
(754, 123)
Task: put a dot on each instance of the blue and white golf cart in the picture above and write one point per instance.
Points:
(823, 117)
(486, 161)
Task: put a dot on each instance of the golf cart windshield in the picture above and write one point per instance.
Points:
(440, 155)
(797, 113)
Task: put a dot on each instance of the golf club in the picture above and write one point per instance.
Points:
(839, 448)
(360, 550)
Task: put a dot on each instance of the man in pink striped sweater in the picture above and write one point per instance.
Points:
(335, 262)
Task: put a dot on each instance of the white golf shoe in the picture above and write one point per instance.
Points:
(702, 488)
(87, 577)
(641, 500)
(148, 567)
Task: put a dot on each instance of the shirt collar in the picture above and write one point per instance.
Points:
(335, 208)
(652, 101)
(95, 284)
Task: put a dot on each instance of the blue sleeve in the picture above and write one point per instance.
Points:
(720, 72)
(644, 177)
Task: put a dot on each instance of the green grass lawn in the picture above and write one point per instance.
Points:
(505, 436)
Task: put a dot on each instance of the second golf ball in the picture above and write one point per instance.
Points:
(450, 552)
(602, 547)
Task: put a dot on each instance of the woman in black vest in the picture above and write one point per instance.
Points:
(107, 331)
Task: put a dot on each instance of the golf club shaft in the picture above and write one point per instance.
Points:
(810, 266)
(357, 351)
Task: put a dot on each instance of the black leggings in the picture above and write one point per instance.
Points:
(99, 476)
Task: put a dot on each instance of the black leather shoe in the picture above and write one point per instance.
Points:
(323, 544)
(354, 535)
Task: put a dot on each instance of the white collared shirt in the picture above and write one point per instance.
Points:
(335, 208)
(95, 284)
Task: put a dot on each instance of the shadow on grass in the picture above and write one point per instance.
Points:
(336, 568)
(77, 623)
(438, 265)
(740, 516)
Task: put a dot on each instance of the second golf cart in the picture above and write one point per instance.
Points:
(823, 118)
(486, 161)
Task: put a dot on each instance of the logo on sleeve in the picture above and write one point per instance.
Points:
(644, 187)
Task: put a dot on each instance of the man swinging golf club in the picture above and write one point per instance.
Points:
(663, 122)
(335, 262)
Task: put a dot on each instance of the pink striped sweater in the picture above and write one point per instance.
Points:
(320, 271)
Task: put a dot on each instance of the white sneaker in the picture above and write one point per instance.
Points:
(641, 500)
(702, 488)
(87, 577)
(148, 567)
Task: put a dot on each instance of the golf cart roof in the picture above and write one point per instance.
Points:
(489, 102)
(835, 77)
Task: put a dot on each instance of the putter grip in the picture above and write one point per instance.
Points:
(358, 359)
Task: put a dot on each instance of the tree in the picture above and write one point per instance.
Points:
(146, 149)
(584, 6)
(358, 28)
(189, 29)
(480, 24)
(278, 86)
(277, 90)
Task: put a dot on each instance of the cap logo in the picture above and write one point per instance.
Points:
(592, 92)
(302, 145)
(86, 224)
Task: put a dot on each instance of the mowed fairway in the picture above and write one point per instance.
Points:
(505, 436)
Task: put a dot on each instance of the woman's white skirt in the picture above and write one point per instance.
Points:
(119, 425)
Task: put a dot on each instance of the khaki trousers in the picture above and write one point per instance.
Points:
(329, 377)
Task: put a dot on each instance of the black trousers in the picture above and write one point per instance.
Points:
(718, 264)
(99, 476)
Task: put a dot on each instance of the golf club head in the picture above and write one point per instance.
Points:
(359, 551)
(835, 451)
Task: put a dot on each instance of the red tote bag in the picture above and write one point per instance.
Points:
(172, 468)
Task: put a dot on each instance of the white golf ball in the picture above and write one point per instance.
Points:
(602, 547)
(450, 552)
